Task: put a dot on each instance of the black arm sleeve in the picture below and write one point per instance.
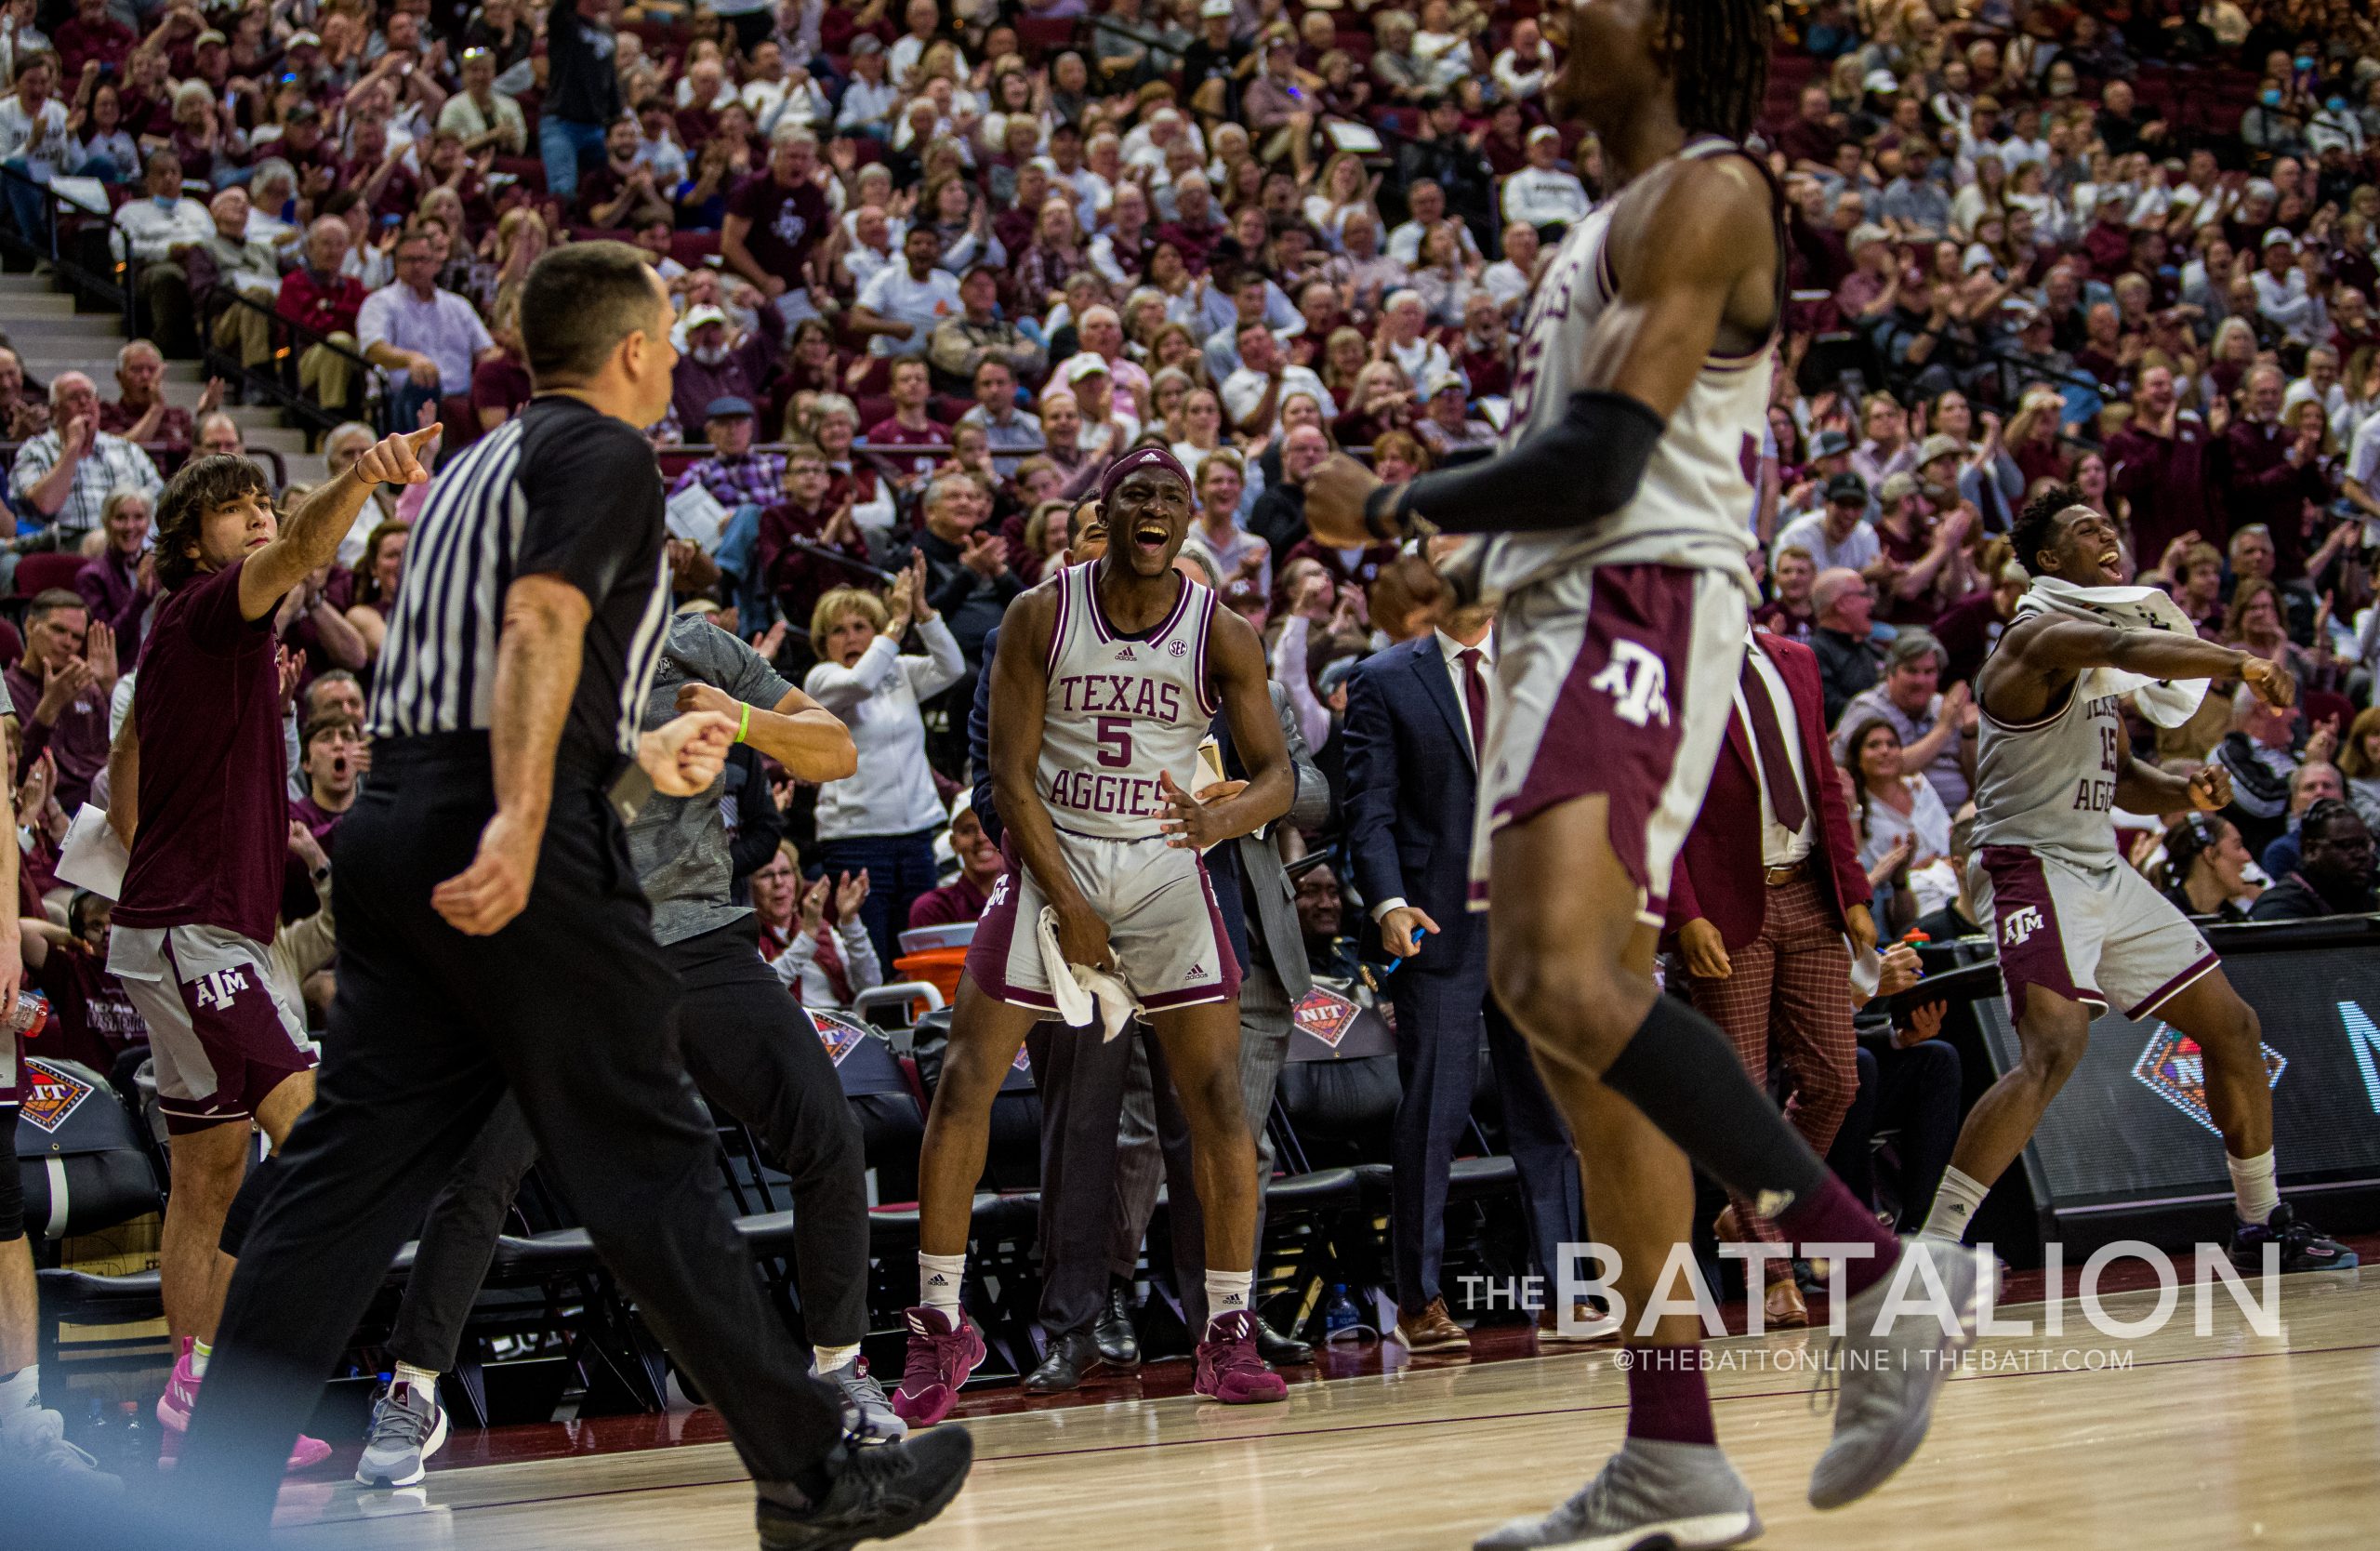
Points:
(1586, 465)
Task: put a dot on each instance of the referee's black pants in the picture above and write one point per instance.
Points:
(753, 1056)
(570, 1007)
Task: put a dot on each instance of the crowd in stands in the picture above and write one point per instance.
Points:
(938, 262)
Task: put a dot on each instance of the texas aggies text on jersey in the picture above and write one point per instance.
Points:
(1121, 709)
(1692, 506)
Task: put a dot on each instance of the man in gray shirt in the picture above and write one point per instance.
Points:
(1915, 204)
(747, 1043)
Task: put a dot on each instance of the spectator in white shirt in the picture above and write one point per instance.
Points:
(883, 818)
(1509, 278)
(826, 969)
(1522, 71)
(1425, 204)
(2282, 298)
(66, 474)
(901, 304)
(1837, 536)
(150, 231)
(924, 19)
(1252, 395)
(1405, 339)
(868, 99)
(486, 118)
(1543, 193)
(34, 141)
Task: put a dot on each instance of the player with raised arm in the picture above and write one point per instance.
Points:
(1620, 498)
(1108, 676)
(2077, 929)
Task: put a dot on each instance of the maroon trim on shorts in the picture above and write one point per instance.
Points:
(2038, 959)
(248, 1066)
(2175, 987)
(1587, 748)
(987, 952)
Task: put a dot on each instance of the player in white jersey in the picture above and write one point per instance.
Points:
(2077, 929)
(1107, 678)
(1620, 498)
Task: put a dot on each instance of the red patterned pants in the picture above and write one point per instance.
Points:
(1790, 985)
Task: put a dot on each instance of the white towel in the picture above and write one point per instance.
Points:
(1084, 995)
(2166, 702)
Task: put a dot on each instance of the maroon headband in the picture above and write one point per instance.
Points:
(1135, 460)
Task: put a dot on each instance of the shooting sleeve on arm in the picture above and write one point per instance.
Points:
(1585, 465)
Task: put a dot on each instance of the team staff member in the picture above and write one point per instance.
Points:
(492, 939)
(202, 798)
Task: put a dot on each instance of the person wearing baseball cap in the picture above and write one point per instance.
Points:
(1446, 425)
(1838, 535)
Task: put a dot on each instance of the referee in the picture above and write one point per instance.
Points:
(491, 937)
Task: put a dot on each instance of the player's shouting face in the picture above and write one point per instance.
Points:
(1148, 516)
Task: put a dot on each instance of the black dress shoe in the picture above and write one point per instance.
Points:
(1281, 1351)
(1069, 1357)
(1119, 1344)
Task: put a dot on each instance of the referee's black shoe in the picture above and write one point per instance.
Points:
(1112, 1332)
(879, 1491)
(2303, 1246)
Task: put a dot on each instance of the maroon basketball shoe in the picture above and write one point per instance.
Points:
(1229, 1369)
(941, 1356)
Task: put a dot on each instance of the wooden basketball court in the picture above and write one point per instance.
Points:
(2231, 1439)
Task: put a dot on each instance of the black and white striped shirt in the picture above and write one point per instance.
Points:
(562, 489)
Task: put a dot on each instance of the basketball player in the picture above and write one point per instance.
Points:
(2079, 931)
(200, 796)
(1110, 673)
(1640, 402)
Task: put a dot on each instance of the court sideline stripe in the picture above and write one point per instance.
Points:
(1326, 1432)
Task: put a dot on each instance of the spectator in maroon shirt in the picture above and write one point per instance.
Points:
(1196, 228)
(500, 384)
(119, 583)
(798, 578)
(141, 413)
(963, 898)
(60, 689)
(336, 752)
(774, 220)
(1809, 141)
(910, 425)
(92, 37)
(377, 172)
(2167, 465)
(2274, 471)
(91, 1019)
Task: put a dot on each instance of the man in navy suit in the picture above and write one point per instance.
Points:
(1416, 713)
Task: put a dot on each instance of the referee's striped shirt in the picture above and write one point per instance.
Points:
(559, 489)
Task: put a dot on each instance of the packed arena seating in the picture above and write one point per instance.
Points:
(937, 264)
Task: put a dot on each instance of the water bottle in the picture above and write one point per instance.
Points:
(31, 1017)
(1342, 1320)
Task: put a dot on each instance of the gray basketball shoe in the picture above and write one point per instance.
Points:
(1889, 1380)
(877, 1420)
(1652, 1492)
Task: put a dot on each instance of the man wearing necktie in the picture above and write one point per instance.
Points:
(1415, 715)
(1763, 893)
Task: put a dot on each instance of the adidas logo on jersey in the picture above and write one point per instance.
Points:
(1198, 971)
(1125, 654)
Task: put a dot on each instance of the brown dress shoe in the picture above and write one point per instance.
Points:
(1784, 1306)
(1724, 1228)
(1590, 1326)
(1433, 1330)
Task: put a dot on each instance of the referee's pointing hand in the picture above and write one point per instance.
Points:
(397, 459)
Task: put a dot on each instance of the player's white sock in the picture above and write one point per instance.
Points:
(2253, 1187)
(21, 1390)
(423, 1379)
(938, 1279)
(828, 1360)
(1954, 1202)
(199, 1353)
(1227, 1293)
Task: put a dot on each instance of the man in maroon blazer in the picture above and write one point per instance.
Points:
(1767, 887)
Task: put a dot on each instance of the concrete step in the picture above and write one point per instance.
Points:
(44, 359)
(17, 307)
(37, 325)
(20, 285)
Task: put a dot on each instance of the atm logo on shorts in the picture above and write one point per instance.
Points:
(2020, 925)
(1638, 684)
(218, 986)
